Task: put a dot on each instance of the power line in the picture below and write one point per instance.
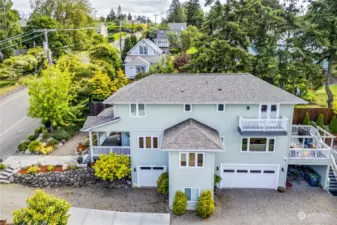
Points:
(21, 41)
(17, 37)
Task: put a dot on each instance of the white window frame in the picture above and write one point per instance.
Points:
(190, 107)
(137, 109)
(269, 110)
(195, 160)
(191, 192)
(217, 107)
(152, 142)
(267, 145)
(140, 69)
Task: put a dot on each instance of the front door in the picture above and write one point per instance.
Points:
(269, 112)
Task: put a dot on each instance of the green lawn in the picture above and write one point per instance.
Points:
(321, 97)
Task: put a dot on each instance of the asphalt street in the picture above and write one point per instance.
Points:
(15, 125)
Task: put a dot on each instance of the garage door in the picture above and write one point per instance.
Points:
(148, 175)
(249, 176)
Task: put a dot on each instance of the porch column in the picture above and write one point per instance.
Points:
(91, 147)
(98, 139)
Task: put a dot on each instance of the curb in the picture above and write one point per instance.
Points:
(19, 88)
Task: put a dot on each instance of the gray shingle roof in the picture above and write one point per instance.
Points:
(93, 121)
(154, 46)
(107, 112)
(161, 34)
(202, 89)
(152, 59)
(191, 134)
(177, 27)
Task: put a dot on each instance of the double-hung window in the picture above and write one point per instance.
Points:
(142, 50)
(148, 142)
(140, 69)
(252, 144)
(137, 110)
(192, 194)
(191, 159)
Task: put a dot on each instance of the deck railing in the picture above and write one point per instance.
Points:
(309, 153)
(104, 150)
(263, 125)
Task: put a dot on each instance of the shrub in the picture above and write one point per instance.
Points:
(217, 179)
(61, 134)
(35, 146)
(112, 166)
(179, 203)
(32, 137)
(45, 135)
(205, 205)
(33, 170)
(320, 121)
(333, 125)
(73, 167)
(163, 183)
(43, 207)
(2, 166)
(23, 146)
(38, 130)
(306, 120)
(46, 149)
(50, 168)
(52, 142)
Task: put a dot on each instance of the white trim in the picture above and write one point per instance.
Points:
(277, 170)
(193, 150)
(190, 108)
(269, 110)
(217, 107)
(144, 137)
(138, 169)
(195, 160)
(267, 145)
(206, 103)
(90, 128)
(137, 109)
(191, 193)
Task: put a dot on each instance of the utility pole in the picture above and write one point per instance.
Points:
(46, 47)
(120, 37)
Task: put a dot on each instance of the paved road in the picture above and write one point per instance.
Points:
(15, 125)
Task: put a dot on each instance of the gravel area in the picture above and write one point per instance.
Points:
(236, 206)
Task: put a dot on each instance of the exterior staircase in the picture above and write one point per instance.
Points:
(6, 175)
(333, 181)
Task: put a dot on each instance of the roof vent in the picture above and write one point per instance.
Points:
(182, 90)
(219, 89)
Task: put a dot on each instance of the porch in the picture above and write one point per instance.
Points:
(103, 143)
(310, 143)
(255, 126)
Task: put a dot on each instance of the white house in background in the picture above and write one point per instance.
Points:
(102, 29)
(139, 59)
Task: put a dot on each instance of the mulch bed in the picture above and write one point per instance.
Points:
(44, 169)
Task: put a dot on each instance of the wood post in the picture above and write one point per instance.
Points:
(91, 147)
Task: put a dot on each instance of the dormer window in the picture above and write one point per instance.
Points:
(142, 50)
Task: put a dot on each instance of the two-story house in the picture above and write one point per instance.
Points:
(196, 125)
(141, 57)
(161, 39)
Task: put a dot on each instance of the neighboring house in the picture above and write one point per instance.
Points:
(194, 126)
(102, 29)
(161, 39)
(140, 58)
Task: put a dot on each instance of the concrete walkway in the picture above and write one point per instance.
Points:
(81, 216)
(23, 161)
(69, 147)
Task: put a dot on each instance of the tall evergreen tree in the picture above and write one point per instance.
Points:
(134, 40)
(194, 13)
(127, 47)
(119, 12)
(111, 16)
(176, 13)
(129, 16)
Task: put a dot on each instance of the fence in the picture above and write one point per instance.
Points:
(96, 108)
(314, 113)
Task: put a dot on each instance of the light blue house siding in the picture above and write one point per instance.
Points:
(160, 117)
(180, 178)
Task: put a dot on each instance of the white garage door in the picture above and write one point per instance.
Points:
(249, 176)
(148, 175)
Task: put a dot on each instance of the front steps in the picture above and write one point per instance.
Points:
(6, 175)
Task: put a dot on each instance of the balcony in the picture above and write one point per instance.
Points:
(310, 143)
(263, 127)
(104, 150)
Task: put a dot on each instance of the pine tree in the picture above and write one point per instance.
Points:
(320, 121)
(134, 40)
(127, 47)
(111, 16)
(333, 125)
(194, 13)
(176, 13)
(119, 12)
(306, 120)
(129, 16)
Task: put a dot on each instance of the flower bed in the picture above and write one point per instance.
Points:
(44, 169)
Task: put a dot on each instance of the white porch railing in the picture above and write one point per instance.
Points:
(263, 125)
(309, 153)
(104, 150)
(334, 161)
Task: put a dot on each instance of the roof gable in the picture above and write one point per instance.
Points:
(191, 134)
(149, 43)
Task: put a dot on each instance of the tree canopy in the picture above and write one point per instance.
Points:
(176, 13)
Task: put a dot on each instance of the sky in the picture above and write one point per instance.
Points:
(136, 7)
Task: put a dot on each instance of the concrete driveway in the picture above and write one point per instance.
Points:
(15, 125)
(80, 216)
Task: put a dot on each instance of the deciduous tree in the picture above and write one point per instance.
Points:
(176, 13)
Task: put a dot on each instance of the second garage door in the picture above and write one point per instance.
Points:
(148, 175)
(249, 176)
